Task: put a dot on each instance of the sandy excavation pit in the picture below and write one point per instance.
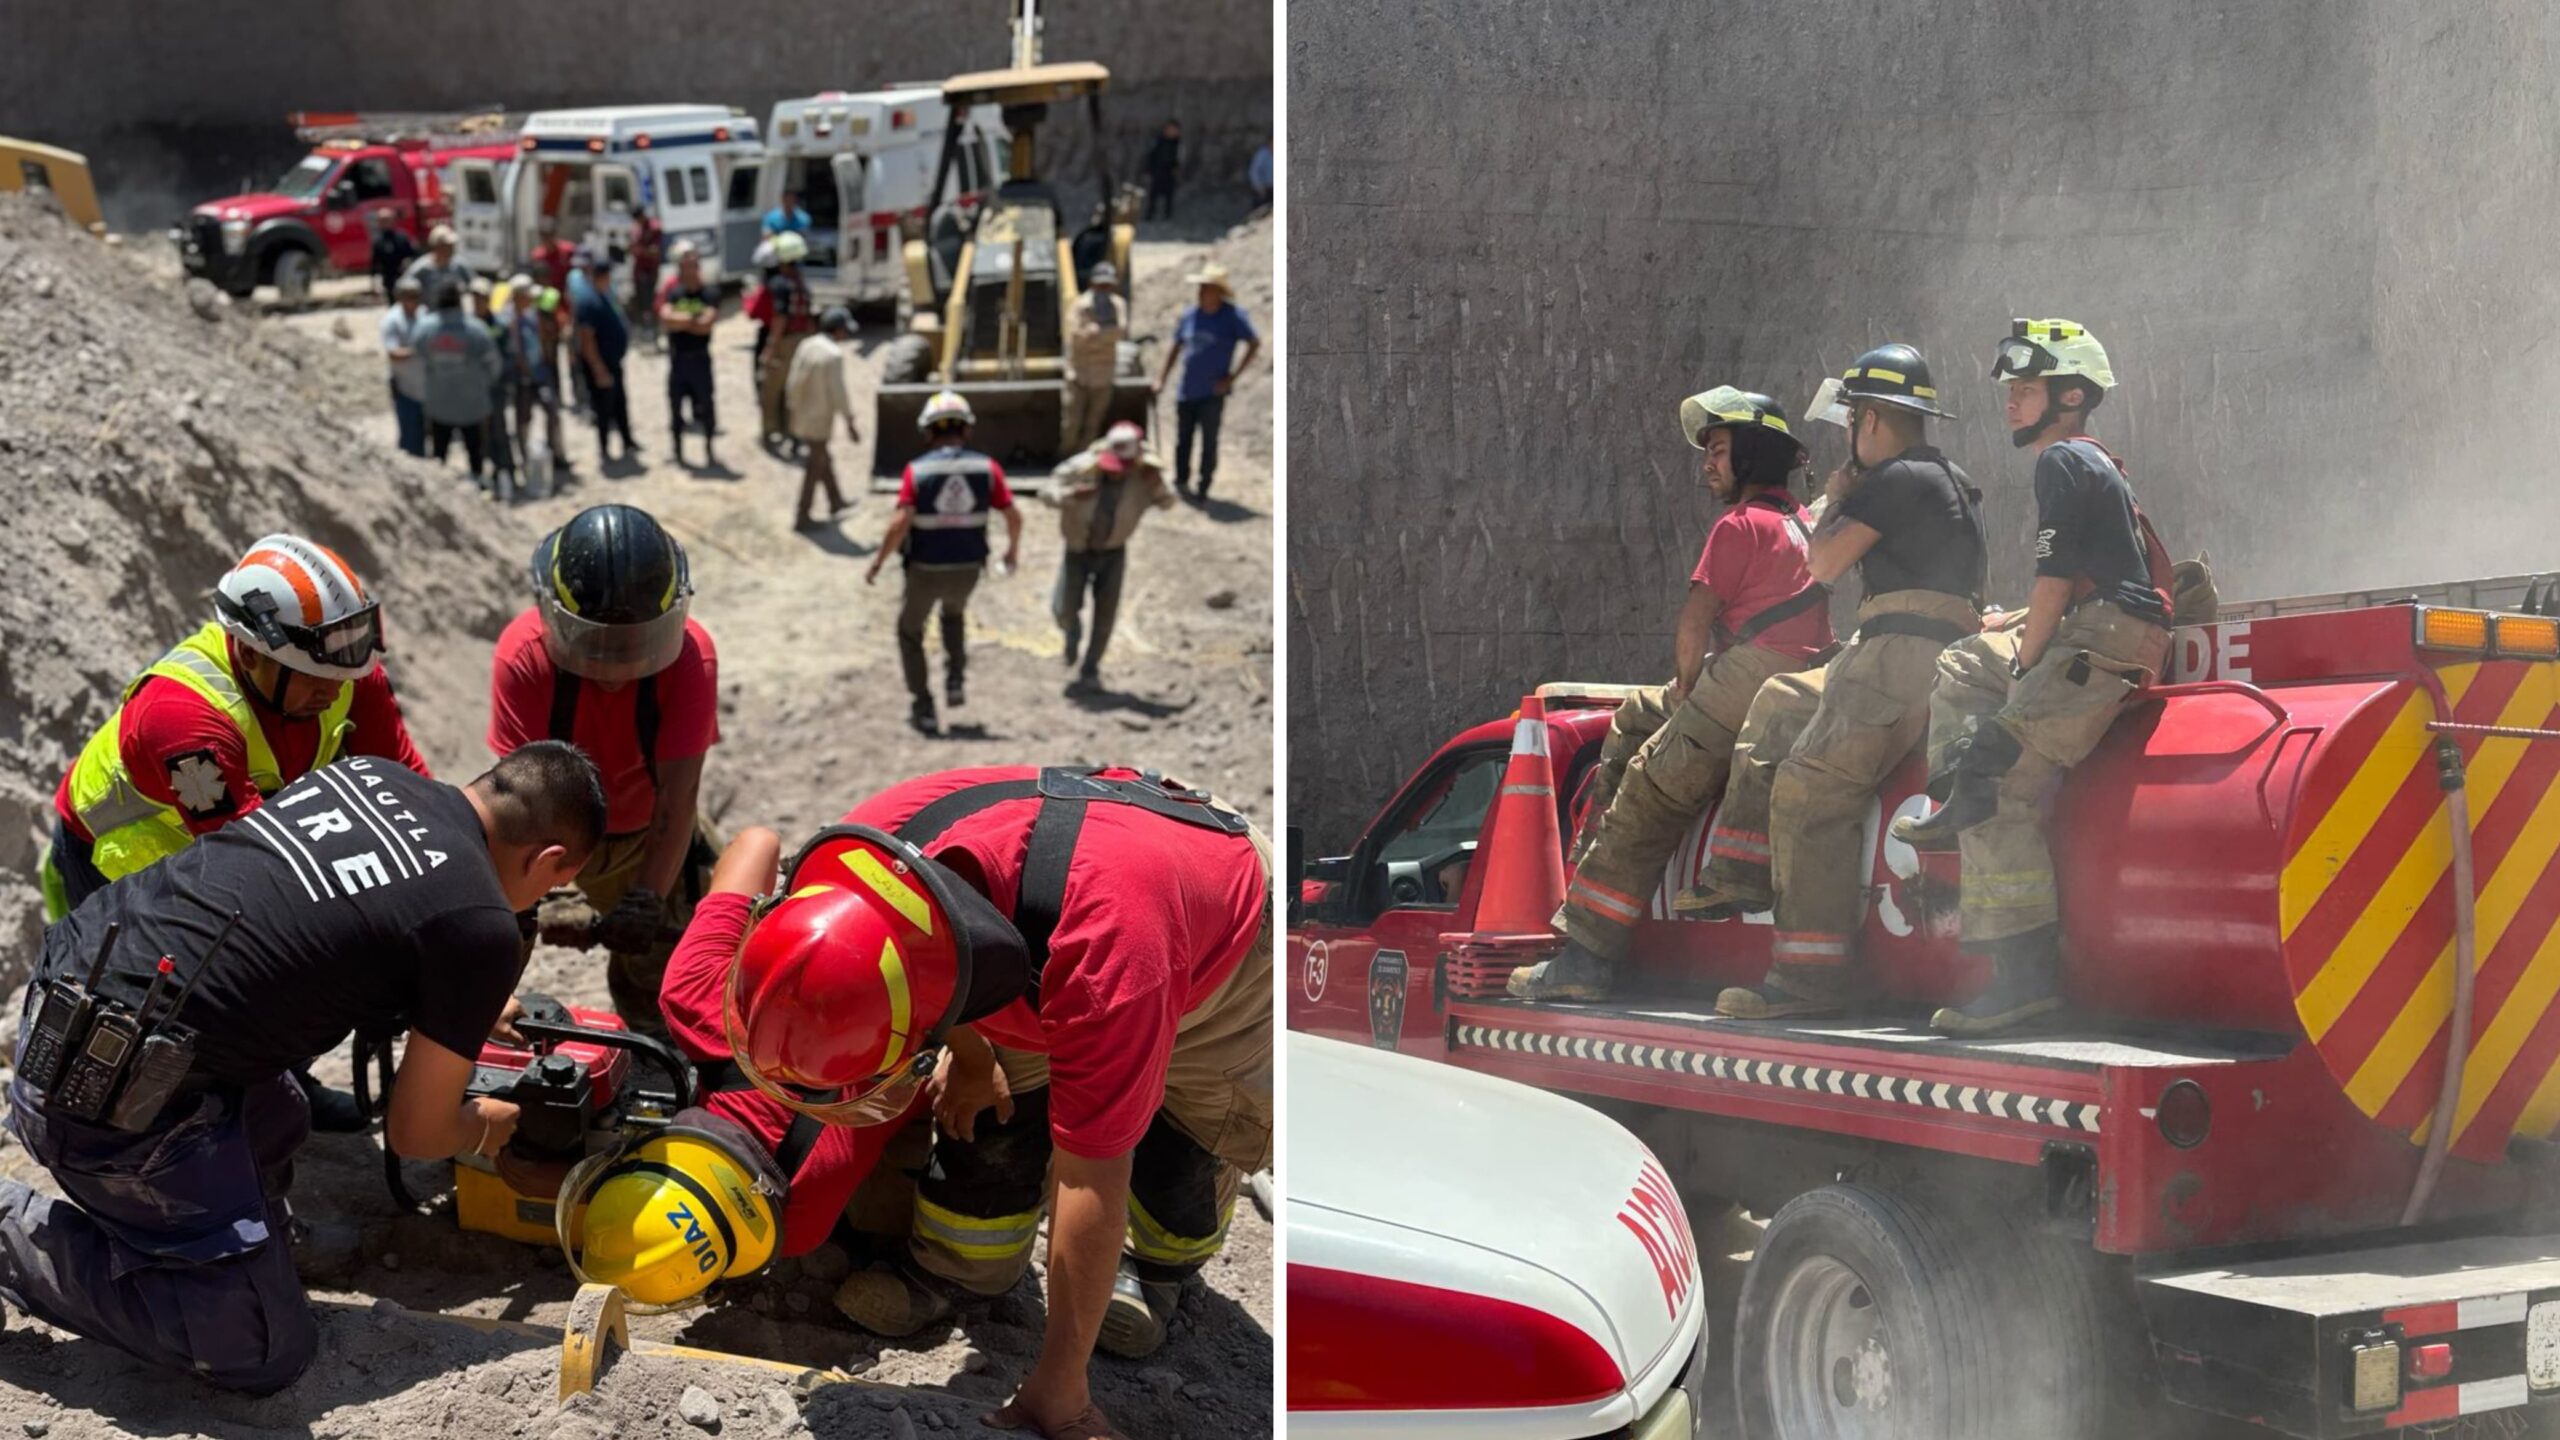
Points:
(153, 438)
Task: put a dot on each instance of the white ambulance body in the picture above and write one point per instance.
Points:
(592, 171)
(858, 162)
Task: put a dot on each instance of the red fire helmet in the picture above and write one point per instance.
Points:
(848, 982)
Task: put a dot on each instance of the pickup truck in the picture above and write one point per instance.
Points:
(315, 220)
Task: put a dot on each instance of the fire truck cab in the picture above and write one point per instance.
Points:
(2286, 1158)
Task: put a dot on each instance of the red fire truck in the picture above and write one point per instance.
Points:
(314, 221)
(2286, 1159)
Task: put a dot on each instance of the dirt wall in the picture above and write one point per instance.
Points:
(177, 103)
(2306, 231)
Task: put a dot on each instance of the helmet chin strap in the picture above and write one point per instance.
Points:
(2025, 435)
(243, 658)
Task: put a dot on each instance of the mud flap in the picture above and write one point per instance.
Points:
(1017, 424)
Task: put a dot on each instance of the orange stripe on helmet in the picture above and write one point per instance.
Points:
(354, 581)
(295, 574)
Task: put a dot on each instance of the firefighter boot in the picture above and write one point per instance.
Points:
(1576, 973)
(892, 1300)
(1975, 763)
(1133, 1326)
(1971, 800)
(2026, 982)
(1787, 991)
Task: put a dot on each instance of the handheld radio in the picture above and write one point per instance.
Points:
(63, 1008)
(168, 1050)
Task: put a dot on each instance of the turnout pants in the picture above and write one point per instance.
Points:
(926, 589)
(1812, 751)
(169, 1244)
(1081, 413)
(978, 1205)
(2054, 715)
(773, 375)
(1101, 571)
(1680, 764)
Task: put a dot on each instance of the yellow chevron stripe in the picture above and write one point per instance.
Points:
(2395, 901)
(2350, 817)
(2511, 880)
(2542, 1111)
(893, 974)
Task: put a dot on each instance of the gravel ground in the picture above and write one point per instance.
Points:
(813, 717)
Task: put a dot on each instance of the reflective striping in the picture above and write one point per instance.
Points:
(2075, 1116)
(2505, 1309)
(1528, 790)
(975, 1237)
(900, 895)
(1529, 737)
(1150, 1240)
(1600, 897)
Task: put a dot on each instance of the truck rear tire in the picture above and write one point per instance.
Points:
(909, 360)
(1869, 1312)
(290, 272)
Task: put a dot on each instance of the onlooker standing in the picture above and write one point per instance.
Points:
(438, 266)
(1260, 175)
(1204, 344)
(817, 396)
(686, 311)
(559, 357)
(1094, 331)
(392, 252)
(787, 218)
(527, 346)
(400, 322)
(603, 341)
(648, 246)
(461, 362)
(1164, 169)
(1101, 495)
(554, 258)
(792, 321)
(502, 456)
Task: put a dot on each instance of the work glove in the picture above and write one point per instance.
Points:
(632, 926)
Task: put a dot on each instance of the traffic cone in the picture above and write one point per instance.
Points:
(1523, 869)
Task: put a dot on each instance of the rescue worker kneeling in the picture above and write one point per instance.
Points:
(1670, 747)
(366, 896)
(1815, 745)
(1111, 935)
(2014, 709)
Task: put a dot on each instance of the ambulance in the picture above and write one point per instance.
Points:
(858, 162)
(1438, 1286)
(594, 171)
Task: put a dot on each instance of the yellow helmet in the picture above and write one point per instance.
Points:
(692, 1204)
(2040, 349)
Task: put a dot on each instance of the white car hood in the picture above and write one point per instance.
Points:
(1498, 1189)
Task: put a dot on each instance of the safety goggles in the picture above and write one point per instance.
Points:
(877, 1101)
(346, 644)
(611, 654)
(2020, 358)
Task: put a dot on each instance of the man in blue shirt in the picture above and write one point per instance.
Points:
(1204, 345)
(603, 339)
(787, 216)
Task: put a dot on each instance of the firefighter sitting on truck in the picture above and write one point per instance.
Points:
(608, 658)
(1084, 953)
(1817, 744)
(281, 682)
(360, 897)
(1751, 600)
(2016, 708)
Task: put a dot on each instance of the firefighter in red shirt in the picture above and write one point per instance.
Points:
(1076, 966)
(1753, 611)
(281, 682)
(608, 659)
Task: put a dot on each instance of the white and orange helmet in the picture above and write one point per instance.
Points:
(1125, 439)
(301, 606)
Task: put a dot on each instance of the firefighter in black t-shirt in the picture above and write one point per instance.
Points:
(1817, 743)
(2016, 707)
(369, 897)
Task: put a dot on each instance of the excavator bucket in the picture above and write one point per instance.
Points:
(1017, 424)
